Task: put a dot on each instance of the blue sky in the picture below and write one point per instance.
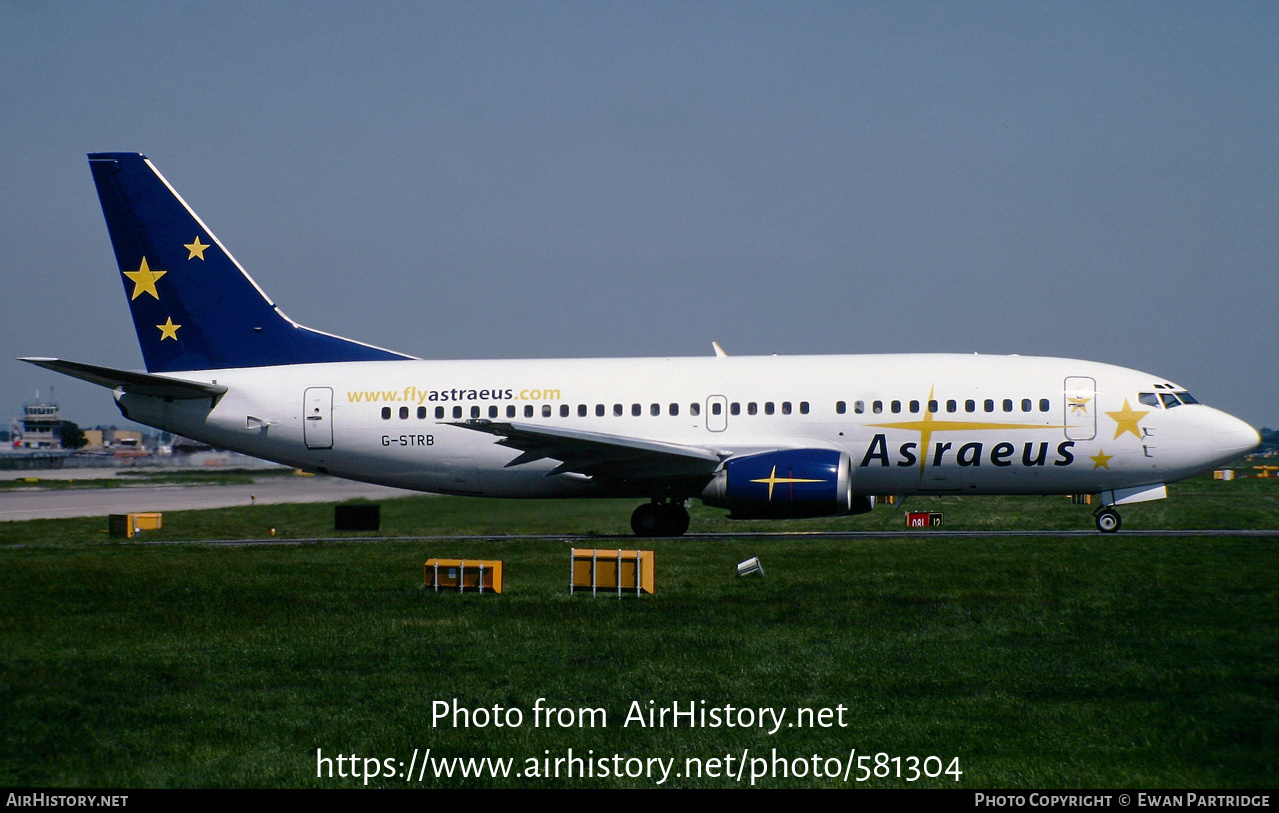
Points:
(483, 180)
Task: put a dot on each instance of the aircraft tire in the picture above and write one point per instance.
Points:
(674, 519)
(1108, 521)
(659, 519)
(646, 520)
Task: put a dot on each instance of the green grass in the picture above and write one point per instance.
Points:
(1039, 662)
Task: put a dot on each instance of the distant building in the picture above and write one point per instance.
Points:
(41, 426)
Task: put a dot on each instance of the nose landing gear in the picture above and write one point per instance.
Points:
(660, 519)
(1108, 520)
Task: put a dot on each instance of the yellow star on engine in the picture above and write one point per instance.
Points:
(144, 281)
(168, 330)
(196, 249)
(772, 479)
(1127, 419)
(1101, 460)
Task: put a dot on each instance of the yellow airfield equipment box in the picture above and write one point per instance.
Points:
(630, 572)
(126, 525)
(463, 575)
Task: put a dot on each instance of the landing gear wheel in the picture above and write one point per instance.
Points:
(646, 519)
(1108, 521)
(660, 519)
(674, 519)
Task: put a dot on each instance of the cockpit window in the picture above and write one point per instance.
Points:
(1169, 400)
(1149, 399)
(1186, 398)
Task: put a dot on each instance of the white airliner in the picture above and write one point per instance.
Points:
(764, 437)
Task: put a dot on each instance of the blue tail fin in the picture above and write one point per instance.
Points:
(193, 306)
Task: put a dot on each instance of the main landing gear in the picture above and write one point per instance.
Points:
(1108, 520)
(660, 519)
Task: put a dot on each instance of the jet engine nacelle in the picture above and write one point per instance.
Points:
(788, 483)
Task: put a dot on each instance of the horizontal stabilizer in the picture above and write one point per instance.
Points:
(138, 383)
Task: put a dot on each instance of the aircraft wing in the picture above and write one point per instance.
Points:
(139, 383)
(597, 454)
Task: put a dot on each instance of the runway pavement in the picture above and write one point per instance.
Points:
(38, 503)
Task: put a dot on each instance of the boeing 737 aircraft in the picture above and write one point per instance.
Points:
(764, 437)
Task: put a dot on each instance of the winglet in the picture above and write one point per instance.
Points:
(719, 351)
(193, 306)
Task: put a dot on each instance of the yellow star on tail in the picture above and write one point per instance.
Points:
(1127, 419)
(196, 248)
(144, 281)
(168, 330)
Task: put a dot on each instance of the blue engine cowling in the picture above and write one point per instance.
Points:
(788, 483)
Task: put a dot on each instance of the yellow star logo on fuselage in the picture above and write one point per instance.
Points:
(168, 330)
(772, 479)
(928, 425)
(144, 280)
(1126, 420)
(196, 248)
(1101, 460)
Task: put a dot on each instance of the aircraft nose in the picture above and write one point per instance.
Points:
(1232, 436)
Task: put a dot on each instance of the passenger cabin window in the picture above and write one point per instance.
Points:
(617, 410)
(768, 408)
(859, 407)
(674, 410)
(493, 411)
(717, 408)
(1008, 405)
(599, 410)
(654, 409)
(636, 410)
(1025, 405)
(877, 407)
(457, 412)
(895, 407)
(785, 408)
(989, 405)
(803, 407)
(475, 411)
(439, 413)
(528, 410)
(510, 410)
(421, 413)
(581, 410)
(840, 407)
(404, 413)
(751, 408)
(970, 405)
(386, 413)
(1044, 405)
(735, 408)
(696, 409)
(563, 410)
